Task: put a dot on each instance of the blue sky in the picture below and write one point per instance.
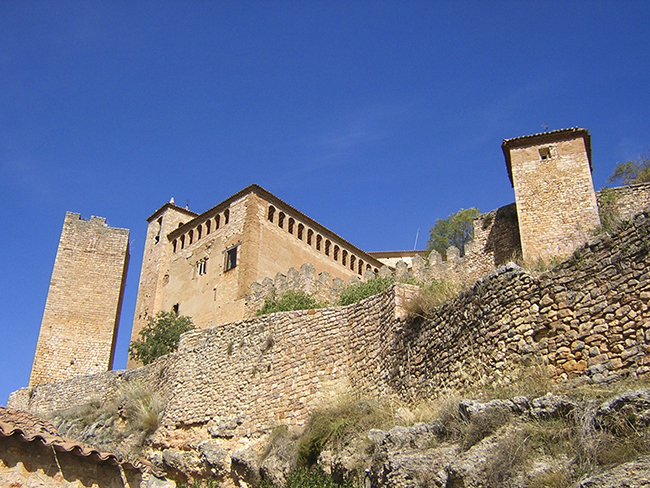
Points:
(372, 117)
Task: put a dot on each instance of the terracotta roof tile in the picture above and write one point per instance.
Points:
(30, 428)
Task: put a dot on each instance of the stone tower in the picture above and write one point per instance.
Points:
(556, 202)
(156, 255)
(82, 310)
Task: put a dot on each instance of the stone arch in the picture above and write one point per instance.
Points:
(226, 216)
(344, 258)
(207, 226)
(360, 271)
(290, 225)
(353, 260)
(217, 222)
(271, 213)
(328, 244)
(281, 220)
(336, 253)
(183, 241)
(319, 239)
(310, 235)
(301, 229)
(191, 237)
(199, 232)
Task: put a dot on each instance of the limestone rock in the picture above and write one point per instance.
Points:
(186, 462)
(245, 465)
(635, 474)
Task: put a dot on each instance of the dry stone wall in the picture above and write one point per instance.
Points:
(587, 318)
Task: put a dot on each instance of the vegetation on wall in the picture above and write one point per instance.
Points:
(356, 293)
(290, 300)
(160, 336)
(630, 172)
(456, 230)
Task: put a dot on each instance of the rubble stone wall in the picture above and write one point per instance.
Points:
(588, 317)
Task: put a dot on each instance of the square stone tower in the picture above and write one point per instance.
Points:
(556, 202)
(83, 304)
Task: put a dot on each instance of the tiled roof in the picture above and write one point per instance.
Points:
(30, 428)
(542, 138)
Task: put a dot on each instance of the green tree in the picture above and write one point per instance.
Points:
(456, 230)
(631, 172)
(159, 337)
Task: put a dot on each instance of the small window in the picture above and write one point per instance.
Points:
(545, 152)
(360, 270)
(290, 226)
(352, 261)
(217, 222)
(191, 237)
(174, 245)
(281, 220)
(207, 227)
(328, 244)
(231, 258)
(199, 231)
(301, 229)
(201, 266)
(271, 213)
(344, 258)
(226, 217)
(336, 253)
(157, 238)
(183, 241)
(310, 234)
(319, 239)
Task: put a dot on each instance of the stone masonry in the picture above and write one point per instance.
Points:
(83, 304)
(587, 319)
(556, 202)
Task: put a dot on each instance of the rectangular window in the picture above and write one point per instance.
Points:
(201, 266)
(231, 258)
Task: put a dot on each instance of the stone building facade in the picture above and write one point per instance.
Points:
(202, 265)
(80, 320)
(554, 193)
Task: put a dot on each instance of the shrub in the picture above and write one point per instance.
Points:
(290, 300)
(360, 291)
(159, 337)
(337, 423)
(313, 477)
(431, 296)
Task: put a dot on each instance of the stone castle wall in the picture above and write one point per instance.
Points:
(80, 320)
(588, 317)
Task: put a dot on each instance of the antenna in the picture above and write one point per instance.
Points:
(545, 127)
(417, 234)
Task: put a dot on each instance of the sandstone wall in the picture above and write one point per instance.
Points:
(587, 318)
(80, 320)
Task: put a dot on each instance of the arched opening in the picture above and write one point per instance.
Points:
(217, 222)
(319, 239)
(199, 232)
(344, 258)
(191, 234)
(226, 216)
(352, 261)
(336, 253)
(328, 244)
(207, 226)
(174, 243)
(183, 241)
(310, 235)
(360, 271)
(301, 229)
(281, 220)
(271, 213)
(290, 226)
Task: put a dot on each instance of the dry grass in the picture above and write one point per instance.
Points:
(432, 296)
